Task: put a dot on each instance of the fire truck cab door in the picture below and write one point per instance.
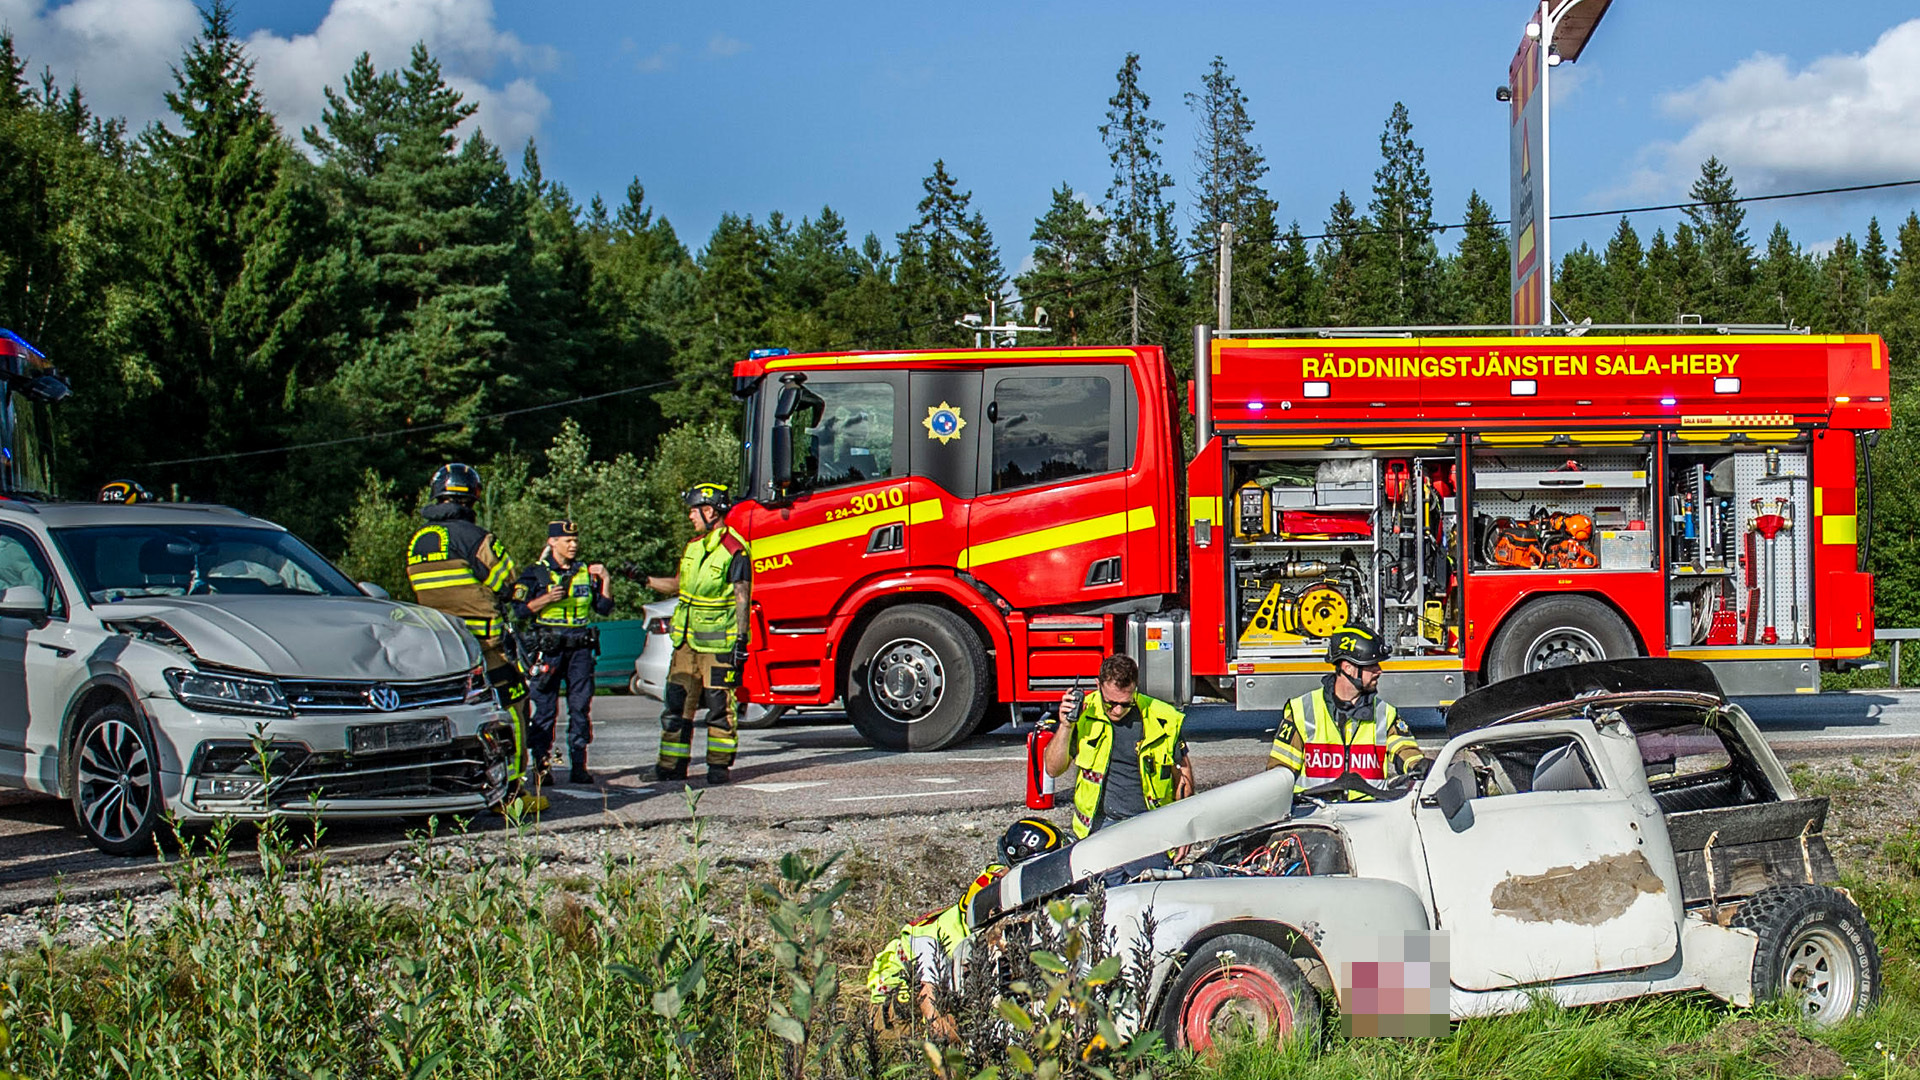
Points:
(1051, 524)
(849, 503)
(943, 435)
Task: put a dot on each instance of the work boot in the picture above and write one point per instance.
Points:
(579, 774)
(716, 775)
(662, 774)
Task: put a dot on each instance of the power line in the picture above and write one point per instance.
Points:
(398, 432)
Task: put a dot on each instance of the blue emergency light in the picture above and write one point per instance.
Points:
(762, 354)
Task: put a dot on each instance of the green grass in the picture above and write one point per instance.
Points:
(499, 972)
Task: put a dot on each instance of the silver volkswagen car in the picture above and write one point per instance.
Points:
(185, 659)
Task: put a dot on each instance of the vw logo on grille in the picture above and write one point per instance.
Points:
(383, 697)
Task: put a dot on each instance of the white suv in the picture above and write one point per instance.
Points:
(192, 660)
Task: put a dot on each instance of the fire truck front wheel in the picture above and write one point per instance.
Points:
(918, 679)
(1554, 631)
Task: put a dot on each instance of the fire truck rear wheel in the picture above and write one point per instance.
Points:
(1555, 631)
(918, 679)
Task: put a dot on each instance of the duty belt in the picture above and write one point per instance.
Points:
(569, 637)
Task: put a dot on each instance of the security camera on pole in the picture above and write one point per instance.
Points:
(1005, 335)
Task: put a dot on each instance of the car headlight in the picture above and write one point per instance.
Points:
(477, 689)
(212, 692)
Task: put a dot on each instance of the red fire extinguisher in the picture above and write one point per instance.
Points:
(1039, 782)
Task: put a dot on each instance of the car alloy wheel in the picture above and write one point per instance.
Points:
(115, 781)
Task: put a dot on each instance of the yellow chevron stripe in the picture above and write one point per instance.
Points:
(766, 547)
(1059, 536)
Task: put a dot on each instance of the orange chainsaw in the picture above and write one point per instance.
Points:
(1544, 541)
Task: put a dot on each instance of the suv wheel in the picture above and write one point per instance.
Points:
(116, 781)
(1239, 987)
(918, 680)
(1816, 950)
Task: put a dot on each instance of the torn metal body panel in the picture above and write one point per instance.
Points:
(1588, 834)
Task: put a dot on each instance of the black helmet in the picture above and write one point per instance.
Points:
(1358, 644)
(1028, 837)
(122, 491)
(456, 481)
(714, 495)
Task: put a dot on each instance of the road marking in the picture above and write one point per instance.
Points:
(909, 795)
(935, 780)
(784, 785)
(1010, 757)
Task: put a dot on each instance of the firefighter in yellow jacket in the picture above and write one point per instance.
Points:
(922, 941)
(459, 568)
(709, 640)
(1127, 745)
(1344, 726)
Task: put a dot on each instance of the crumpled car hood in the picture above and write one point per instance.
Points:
(315, 637)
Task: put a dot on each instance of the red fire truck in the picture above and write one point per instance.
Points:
(940, 537)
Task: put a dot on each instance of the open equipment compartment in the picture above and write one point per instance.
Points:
(1323, 537)
(1576, 506)
(1738, 544)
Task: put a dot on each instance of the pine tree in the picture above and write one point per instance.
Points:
(239, 309)
(949, 265)
(1873, 254)
(723, 321)
(1296, 288)
(1580, 286)
(1843, 278)
(1139, 214)
(1626, 269)
(1227, 171)
(1726, 257)
(1786, 285)
(1480, 292)
(435, 234)
(1399, 259)
(1343, 299)
(1069, 256)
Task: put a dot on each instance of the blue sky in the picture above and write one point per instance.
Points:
(760, 107)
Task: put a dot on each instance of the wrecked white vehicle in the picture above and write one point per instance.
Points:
(190, 659)
(1589, 833)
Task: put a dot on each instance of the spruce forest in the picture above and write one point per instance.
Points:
(389, 290)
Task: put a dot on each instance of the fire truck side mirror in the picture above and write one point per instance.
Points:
(781, 446)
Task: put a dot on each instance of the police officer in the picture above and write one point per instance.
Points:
(1344, 726)
(1127, 745)
(560, 596)
(459, 568)
(708, 648)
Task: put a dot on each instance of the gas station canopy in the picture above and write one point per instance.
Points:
(1570, 34)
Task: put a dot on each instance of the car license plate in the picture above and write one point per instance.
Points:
(403, 735)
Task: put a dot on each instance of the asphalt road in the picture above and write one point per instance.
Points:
(816, 767)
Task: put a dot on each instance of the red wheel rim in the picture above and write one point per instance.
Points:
(1230, 993)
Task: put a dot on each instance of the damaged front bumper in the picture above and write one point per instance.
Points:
(441, 761)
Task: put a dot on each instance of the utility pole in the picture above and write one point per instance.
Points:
(988, 335)
(1224, 301)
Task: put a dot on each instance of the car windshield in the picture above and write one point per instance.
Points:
(120, 562)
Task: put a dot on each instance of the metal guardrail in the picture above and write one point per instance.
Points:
(1897, 635)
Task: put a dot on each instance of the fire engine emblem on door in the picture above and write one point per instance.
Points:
(943, 422)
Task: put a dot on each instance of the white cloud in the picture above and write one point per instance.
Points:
(659, 59)
(120, 52)
(1844, 119)
(722, 45)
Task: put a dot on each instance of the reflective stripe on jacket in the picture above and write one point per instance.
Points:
(1093, 749)
(705, 616)
(575, 606)
(1328, 749)
(459, 568)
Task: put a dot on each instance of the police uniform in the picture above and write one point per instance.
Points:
(705, 632)
(567, 646)
(459, 568)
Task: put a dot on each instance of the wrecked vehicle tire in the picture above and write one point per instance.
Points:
(1815, 949)
(1239, 987)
